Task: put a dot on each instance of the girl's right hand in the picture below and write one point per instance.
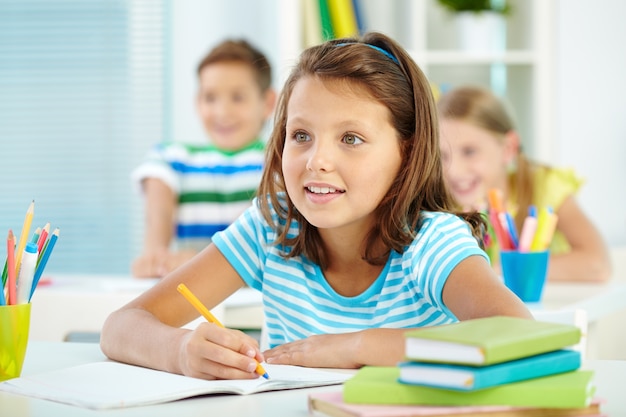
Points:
(213, 352)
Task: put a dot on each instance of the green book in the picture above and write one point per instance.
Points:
(379, 385)
(488, 340)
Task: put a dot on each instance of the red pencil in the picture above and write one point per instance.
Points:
(42, 238)
(12, 299)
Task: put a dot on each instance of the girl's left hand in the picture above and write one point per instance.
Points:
(319, 351)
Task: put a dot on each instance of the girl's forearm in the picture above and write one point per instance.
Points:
(135, 336)
(380, 347)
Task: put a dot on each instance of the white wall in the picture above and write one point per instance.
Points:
(590, 88)
(589, 84)
(200, 24)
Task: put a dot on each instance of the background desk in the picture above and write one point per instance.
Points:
(82, 303)
(610, 378)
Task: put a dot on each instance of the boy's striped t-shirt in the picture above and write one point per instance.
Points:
(213, 186)
(298, 302)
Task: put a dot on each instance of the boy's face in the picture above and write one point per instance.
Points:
(474, 161)
(231, 105)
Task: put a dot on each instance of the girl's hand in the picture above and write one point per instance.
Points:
(320, 351)
(213, 352)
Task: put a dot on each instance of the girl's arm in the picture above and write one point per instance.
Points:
(588, 259)
(471, 291)
(160, 205)
(146, 331)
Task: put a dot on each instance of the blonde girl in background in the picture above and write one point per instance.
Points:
(352, 239)
(481, 151)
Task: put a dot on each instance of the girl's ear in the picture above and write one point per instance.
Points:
(511, 146)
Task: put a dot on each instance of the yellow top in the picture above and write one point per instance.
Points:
(552, 187)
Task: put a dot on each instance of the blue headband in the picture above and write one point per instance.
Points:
(381, 50)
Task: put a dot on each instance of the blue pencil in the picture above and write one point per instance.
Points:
(44, 260)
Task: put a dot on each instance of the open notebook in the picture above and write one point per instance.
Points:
(109, 384)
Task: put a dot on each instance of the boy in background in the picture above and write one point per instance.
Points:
(193, 191)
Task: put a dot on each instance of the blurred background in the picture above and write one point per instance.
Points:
(87, 86)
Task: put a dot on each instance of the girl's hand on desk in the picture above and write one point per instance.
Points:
(213, 352)
(319, 351)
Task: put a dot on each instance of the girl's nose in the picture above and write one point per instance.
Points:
(320, 157)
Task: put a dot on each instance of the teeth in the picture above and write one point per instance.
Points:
(321, 190)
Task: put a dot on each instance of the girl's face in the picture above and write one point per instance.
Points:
(341, 154)
(231, 105)
(474, 161)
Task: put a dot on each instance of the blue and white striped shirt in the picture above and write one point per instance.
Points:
(298, 302)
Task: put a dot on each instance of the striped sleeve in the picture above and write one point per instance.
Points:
(444, 241)
(244, 245)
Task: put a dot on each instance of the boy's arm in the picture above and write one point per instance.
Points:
(160, 207)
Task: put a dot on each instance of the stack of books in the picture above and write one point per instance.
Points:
(491, 366)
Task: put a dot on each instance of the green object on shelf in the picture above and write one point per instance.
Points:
(476, 6)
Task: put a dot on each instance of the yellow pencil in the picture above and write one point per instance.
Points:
(28, 220)
(182, 288)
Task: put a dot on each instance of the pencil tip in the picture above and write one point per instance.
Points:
(266, 376)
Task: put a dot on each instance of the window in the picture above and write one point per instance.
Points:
(82, 98)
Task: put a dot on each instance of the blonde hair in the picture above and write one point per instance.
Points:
(383, 69)
(483, 109)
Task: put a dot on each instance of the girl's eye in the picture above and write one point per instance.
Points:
(301, 137)
(352, 139)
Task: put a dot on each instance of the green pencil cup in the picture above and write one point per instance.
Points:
(14, 328)
(525, 273)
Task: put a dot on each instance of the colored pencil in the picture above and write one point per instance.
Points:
(28, 220)
(42, 238)
(11, 268)
(35, 237)
(44, 259)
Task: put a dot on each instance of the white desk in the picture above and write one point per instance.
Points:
(610, 378)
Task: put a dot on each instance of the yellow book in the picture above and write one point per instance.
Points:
(343, 18)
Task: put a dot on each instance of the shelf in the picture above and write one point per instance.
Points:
(450, 57)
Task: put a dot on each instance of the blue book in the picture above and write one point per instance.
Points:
(469, 378)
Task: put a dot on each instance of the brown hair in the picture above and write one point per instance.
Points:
(483, 109)
(232, 50)
(396, 82)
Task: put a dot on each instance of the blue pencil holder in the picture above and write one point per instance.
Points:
(525, 273)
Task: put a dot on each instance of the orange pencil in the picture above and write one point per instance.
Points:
(12, 299)
(28, 220)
